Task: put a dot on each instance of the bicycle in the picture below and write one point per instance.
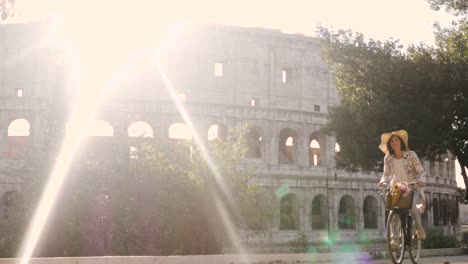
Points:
(401, 230)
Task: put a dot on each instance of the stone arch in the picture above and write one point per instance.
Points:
(289, 212)
(370, 212)
(217, 131)
(180, 131)
(337, 148)
(100, 128)
(444, 215)
(287, 148)
(140, 129)
(19, 128)
(18, 139)
(254, 143)
(11, 204)
(346, 213)
(315, 156)
(453, 215)
(435, 211)
(449, 211)
(319, 213)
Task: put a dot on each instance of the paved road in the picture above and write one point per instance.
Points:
(461, 259)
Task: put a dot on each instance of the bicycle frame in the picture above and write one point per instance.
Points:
(406, 224)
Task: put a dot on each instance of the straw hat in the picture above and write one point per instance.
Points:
(385, 137)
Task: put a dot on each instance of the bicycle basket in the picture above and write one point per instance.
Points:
(401, 201)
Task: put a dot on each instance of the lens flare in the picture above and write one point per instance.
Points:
(228, 224)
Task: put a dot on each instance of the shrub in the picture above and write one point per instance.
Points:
(437, 239)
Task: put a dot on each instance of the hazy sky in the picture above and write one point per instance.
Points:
(129, 24)
(408, 20)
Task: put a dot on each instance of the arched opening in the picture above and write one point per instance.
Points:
(216, 131)
(337, 148)
(435, 211)
(370, 212)
(346, 214)
(19, 128)
(314, 149)
(11, 204)
(319, 213)
(254, 144)
(18, 140)
(314, 153)
(140, 129)
(180, 131)
(454, 212)
(100, 128)
(287, 147)
(443, 206)
(289, 213)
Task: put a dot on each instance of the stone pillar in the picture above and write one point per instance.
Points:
(274, 144)
(3, 135)
(307, 212)
(303, 149)
(332, 219)
(359, 206)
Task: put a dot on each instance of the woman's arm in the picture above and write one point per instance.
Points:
(386, 171)
(418, 168)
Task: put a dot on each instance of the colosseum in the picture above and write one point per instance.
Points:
(223, 75)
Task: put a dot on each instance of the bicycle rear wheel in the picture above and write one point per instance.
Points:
(414, 247)
(395, 238)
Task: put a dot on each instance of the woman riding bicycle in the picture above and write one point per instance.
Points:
(402, 165)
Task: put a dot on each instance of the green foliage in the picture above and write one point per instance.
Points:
(437, 239)
(383, 88)
(456, 7)
(7, 9)
(163, 200)
(300, 244)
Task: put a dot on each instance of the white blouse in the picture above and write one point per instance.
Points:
(400, 174)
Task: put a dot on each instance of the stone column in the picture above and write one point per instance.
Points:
(359, 206)
(303, 149)
(274, 144)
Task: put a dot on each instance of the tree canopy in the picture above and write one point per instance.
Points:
(384, 88)
(161, 199)
(7, 9)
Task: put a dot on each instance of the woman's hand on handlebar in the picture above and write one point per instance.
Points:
(421, 184)
(382, 184)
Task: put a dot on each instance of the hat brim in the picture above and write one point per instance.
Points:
(385, 137)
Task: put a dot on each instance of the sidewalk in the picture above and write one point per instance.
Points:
(460, 259)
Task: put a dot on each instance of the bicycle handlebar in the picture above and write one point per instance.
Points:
(386, 186)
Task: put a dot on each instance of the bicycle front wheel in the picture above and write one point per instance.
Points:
(414, 247)
(395, 238)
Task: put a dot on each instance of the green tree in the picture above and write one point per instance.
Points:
(7, 8)
(160, 200)
(456, 7)
(384, 88)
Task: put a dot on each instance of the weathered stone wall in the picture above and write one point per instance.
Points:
(250, 89)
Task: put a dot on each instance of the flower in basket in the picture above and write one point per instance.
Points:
(396, 192)
(405, 189)
(398, 189)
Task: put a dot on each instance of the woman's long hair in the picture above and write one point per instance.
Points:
(403, 145)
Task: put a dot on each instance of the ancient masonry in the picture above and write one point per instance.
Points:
(223, 76)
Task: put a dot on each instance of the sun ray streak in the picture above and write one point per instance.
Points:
(71, 142)
(81, 120)
(228, 224)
